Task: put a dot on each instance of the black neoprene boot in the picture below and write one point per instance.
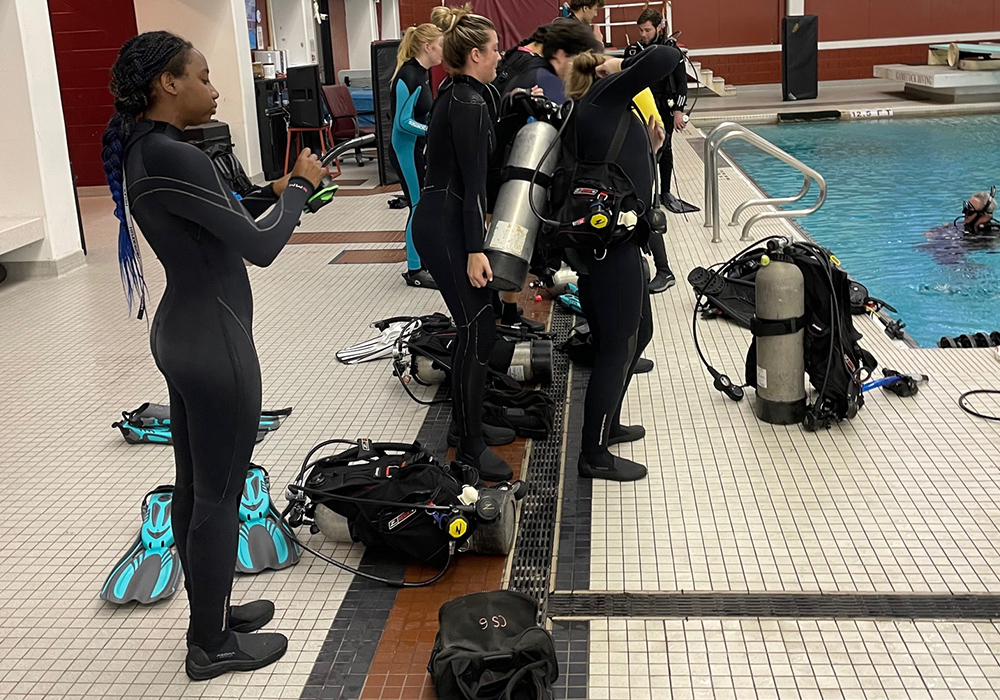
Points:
(250, 617)
(489, 464)
(626, 433)
(492, 434)
(240, 652)
(610, 467)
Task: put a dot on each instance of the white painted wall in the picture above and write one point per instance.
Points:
(33, 134)
(390, 19)
(294, 30)
(362, 30)
(217, 28)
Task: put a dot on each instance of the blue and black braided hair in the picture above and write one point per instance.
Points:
(140, 62)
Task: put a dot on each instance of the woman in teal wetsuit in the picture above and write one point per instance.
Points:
(411, 98)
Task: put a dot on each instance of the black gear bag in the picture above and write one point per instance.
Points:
(490, 647)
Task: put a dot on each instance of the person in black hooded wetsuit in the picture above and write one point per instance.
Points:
(613, 288)
(449, 224)
(201, 337)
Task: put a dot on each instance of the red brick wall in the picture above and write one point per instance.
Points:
(839, 64)
(86, 41)
(717, 23)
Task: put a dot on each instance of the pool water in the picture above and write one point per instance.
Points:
(892, 184)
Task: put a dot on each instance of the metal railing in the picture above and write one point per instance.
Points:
(728, 131)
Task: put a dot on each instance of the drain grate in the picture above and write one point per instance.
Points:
(798, 605)
(532, 562)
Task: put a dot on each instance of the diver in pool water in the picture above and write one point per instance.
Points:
(975, 230)
(977, 212)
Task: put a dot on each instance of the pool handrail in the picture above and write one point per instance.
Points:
(727, 131)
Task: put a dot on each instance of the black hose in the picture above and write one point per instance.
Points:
(963, 403)
(699, 296)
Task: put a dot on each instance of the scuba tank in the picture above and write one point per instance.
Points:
(777, 327)
(510, 240)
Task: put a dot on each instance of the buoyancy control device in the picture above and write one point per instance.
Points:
(399, 498)
(835, 363)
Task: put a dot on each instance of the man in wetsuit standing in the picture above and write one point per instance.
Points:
(671, 97)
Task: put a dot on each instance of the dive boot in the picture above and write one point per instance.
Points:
(662, 282)
(250, 617)
(489, 464)
(419, 278)
(494, 435)
(241, 652)
(610, 467)
(626, 433)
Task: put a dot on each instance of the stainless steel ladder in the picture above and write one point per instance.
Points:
(727, 131)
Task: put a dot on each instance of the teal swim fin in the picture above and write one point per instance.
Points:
(571, 302)
(150, 570)
(265, 540)
(150, 424)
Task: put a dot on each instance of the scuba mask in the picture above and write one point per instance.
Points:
(987, 208)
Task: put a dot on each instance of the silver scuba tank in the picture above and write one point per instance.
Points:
(778, 327)
(510, 239)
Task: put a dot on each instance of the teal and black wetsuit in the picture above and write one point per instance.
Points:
(411, 99)
(202, 342)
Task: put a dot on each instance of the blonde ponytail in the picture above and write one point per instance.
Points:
(463, 31)
(583, 74)
(414, 40)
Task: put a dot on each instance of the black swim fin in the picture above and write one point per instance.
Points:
(736, 299)
(678, 206)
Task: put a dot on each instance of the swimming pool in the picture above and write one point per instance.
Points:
(892, 184)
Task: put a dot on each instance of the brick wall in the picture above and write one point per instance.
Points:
(839, 64)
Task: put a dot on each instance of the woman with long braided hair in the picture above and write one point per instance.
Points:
(201, 336)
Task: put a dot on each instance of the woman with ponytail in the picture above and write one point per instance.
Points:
(201, 336)
(410, 93)
(614, 288)
(449, 225)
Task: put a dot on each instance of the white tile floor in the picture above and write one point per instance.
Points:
(903, 498)
(807, 659)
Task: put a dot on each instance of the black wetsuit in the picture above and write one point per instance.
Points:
(202, 342)
(670, 97)
(613, 291)
(410, 95)
(450, 223)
